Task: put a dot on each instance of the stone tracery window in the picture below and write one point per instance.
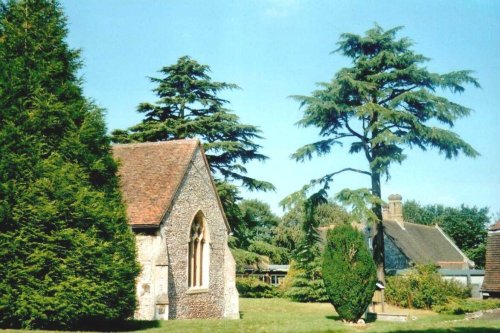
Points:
(198, 253)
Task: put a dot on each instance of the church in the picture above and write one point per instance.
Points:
(181, 232)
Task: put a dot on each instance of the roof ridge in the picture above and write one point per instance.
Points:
(153, 143)
(421, 225)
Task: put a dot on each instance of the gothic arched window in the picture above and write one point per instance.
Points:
(198, 253)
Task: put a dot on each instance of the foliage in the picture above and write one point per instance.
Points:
(349, 272)
(289, 232)
(477, 255)
(254, 235)
(385, 102)
(276, 254)
(189, 106)
(246, 259)
(423, 288)
(229, 196)
(392, 96)
(305, 284)
(257, 222)
(467, 226)
(360, 201)
(251, 287)
(461, 306)
(299, 232)
(67, 254)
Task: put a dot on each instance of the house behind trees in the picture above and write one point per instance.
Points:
(407, 244)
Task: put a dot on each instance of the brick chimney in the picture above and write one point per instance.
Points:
(394, 209)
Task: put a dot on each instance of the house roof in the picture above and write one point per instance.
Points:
(495, 227)
(424, 244)
(150, 176)
(491, 281)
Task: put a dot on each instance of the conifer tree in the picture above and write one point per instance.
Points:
(385, 102)
(67, 256)
(348, 272)
(189, 107)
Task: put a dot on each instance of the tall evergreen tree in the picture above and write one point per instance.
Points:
(67, 255)
(189, 107)
(385, 102)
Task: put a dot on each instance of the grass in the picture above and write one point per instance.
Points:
(279, 315)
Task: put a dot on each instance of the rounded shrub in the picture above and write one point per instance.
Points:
(349, 273)
(422, 287)
(251, 287)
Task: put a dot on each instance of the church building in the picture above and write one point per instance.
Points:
(181, 231)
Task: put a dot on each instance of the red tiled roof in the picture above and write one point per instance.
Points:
(150, 175)
(495, 227)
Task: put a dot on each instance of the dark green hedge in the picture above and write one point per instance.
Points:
(461, 306)
(349, 272)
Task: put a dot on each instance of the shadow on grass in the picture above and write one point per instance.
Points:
(369, 319)
(453, 329)
(117, 326)
(102, 326)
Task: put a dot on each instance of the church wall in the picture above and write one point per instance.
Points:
(196, 193)
(151, 284)
(231, 307)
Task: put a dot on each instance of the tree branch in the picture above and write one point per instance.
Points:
(395, 93)
(353, 132)
(348, 169)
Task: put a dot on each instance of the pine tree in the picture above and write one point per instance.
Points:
(67, 255)
(385, 102)
(189, 107)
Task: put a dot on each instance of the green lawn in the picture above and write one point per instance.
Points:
(278, 315)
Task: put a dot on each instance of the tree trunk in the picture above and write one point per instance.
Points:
(378, 231)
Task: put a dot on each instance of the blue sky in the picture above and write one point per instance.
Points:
(276, 48)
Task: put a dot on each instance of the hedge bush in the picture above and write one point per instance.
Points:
(251, 287)
(349, 272)
(422, 287)
(461, 306)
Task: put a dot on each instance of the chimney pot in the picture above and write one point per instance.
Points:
(395, 209)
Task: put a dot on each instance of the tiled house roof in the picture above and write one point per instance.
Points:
(425, 244)
(150, 175)
(492, 270)
(496, 226)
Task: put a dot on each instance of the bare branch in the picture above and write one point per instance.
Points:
(348, 169)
